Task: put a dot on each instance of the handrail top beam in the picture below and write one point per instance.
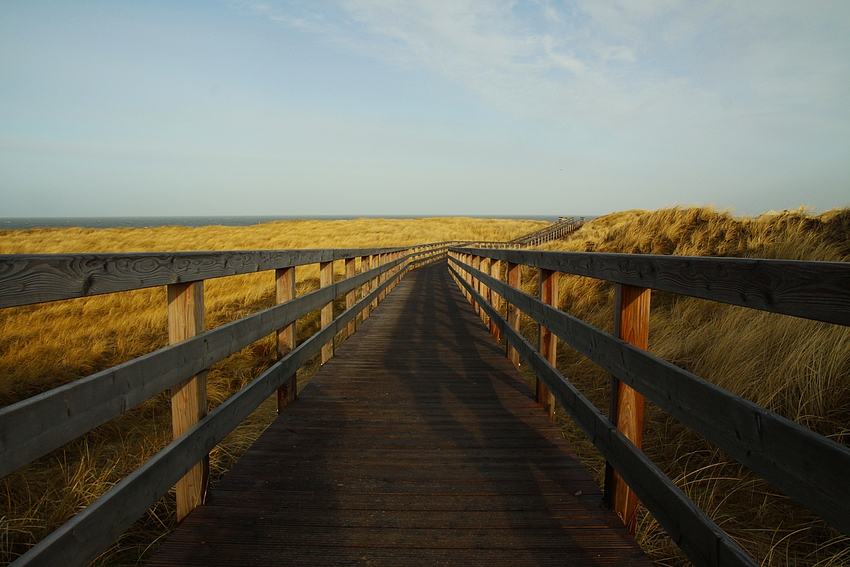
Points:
(815, 290)
(37, 278)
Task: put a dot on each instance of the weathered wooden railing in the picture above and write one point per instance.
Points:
(808, 467)
(38, 425)
(560, 229)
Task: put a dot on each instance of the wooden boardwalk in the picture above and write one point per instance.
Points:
(417, 444)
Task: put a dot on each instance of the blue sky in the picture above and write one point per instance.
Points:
(429, 107)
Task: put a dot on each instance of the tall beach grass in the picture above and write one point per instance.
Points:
(797, 368)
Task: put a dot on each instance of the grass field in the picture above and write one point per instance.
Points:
(797, 368)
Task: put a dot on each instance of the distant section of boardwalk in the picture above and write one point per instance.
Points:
(417, 444)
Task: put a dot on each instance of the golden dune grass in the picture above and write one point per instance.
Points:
(50, 344)
(795, 367)
(798, 368)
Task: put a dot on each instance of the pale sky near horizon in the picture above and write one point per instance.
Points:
(427, 107)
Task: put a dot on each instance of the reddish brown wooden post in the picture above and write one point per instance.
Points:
(285, 291)
(189, 398)
(326, 278)
(548, 341)
(470, 280)
(625, 409)
(476, 264)
(382, 259)
(515, 281)
(484, 264)
(495, 298)
(350, 297)
(365, 267)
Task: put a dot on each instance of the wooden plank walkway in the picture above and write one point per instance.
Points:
(417, 444)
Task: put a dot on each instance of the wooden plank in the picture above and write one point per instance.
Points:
(806, 466)
(81, 539)
(812, 290)
(188, 398)
(515, 281)
(37, 278)
(286, 336)
(702, 541)
(79, 406)
(626, 410)
(326, 278)
(417, 499)
(548, 289)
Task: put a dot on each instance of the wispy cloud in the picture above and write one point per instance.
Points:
(603, 62)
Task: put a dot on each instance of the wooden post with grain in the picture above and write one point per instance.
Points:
(285, 291)
(626, 406)
(484, 290)
(351, 296)
(495, 298)
(365, 266)
(548, 341)
(189, 398)
(515, 281)
(326, 278)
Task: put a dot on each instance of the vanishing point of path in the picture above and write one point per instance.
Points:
(417, 444)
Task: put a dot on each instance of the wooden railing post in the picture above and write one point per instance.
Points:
(382, 259)
(625, 409)
(548, 341)
(326, 278)
(476, 263)
(351, 296)
(189, 398)
(376, 261)
(515, 281)
(366, 288)
(484, 264)
(495, 298)
(469, 279)
(285, 291)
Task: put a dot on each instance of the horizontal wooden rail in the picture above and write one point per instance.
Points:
(813, 290)
(86, 535)
(38, 278)
(806, 466)
(80, 406)
(704, 543)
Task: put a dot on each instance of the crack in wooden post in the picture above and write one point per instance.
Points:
(285, 291)
(189, 398)
(626, 406)
(351, 296)
(326, 278)
(514, 280)
(548, 342)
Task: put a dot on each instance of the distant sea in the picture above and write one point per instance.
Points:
(19, 223)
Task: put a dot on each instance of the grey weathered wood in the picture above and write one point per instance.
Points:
(814, 290)
(37, 278)
(80, 406)
(808, 467)
(694, 532)
(86, 535)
